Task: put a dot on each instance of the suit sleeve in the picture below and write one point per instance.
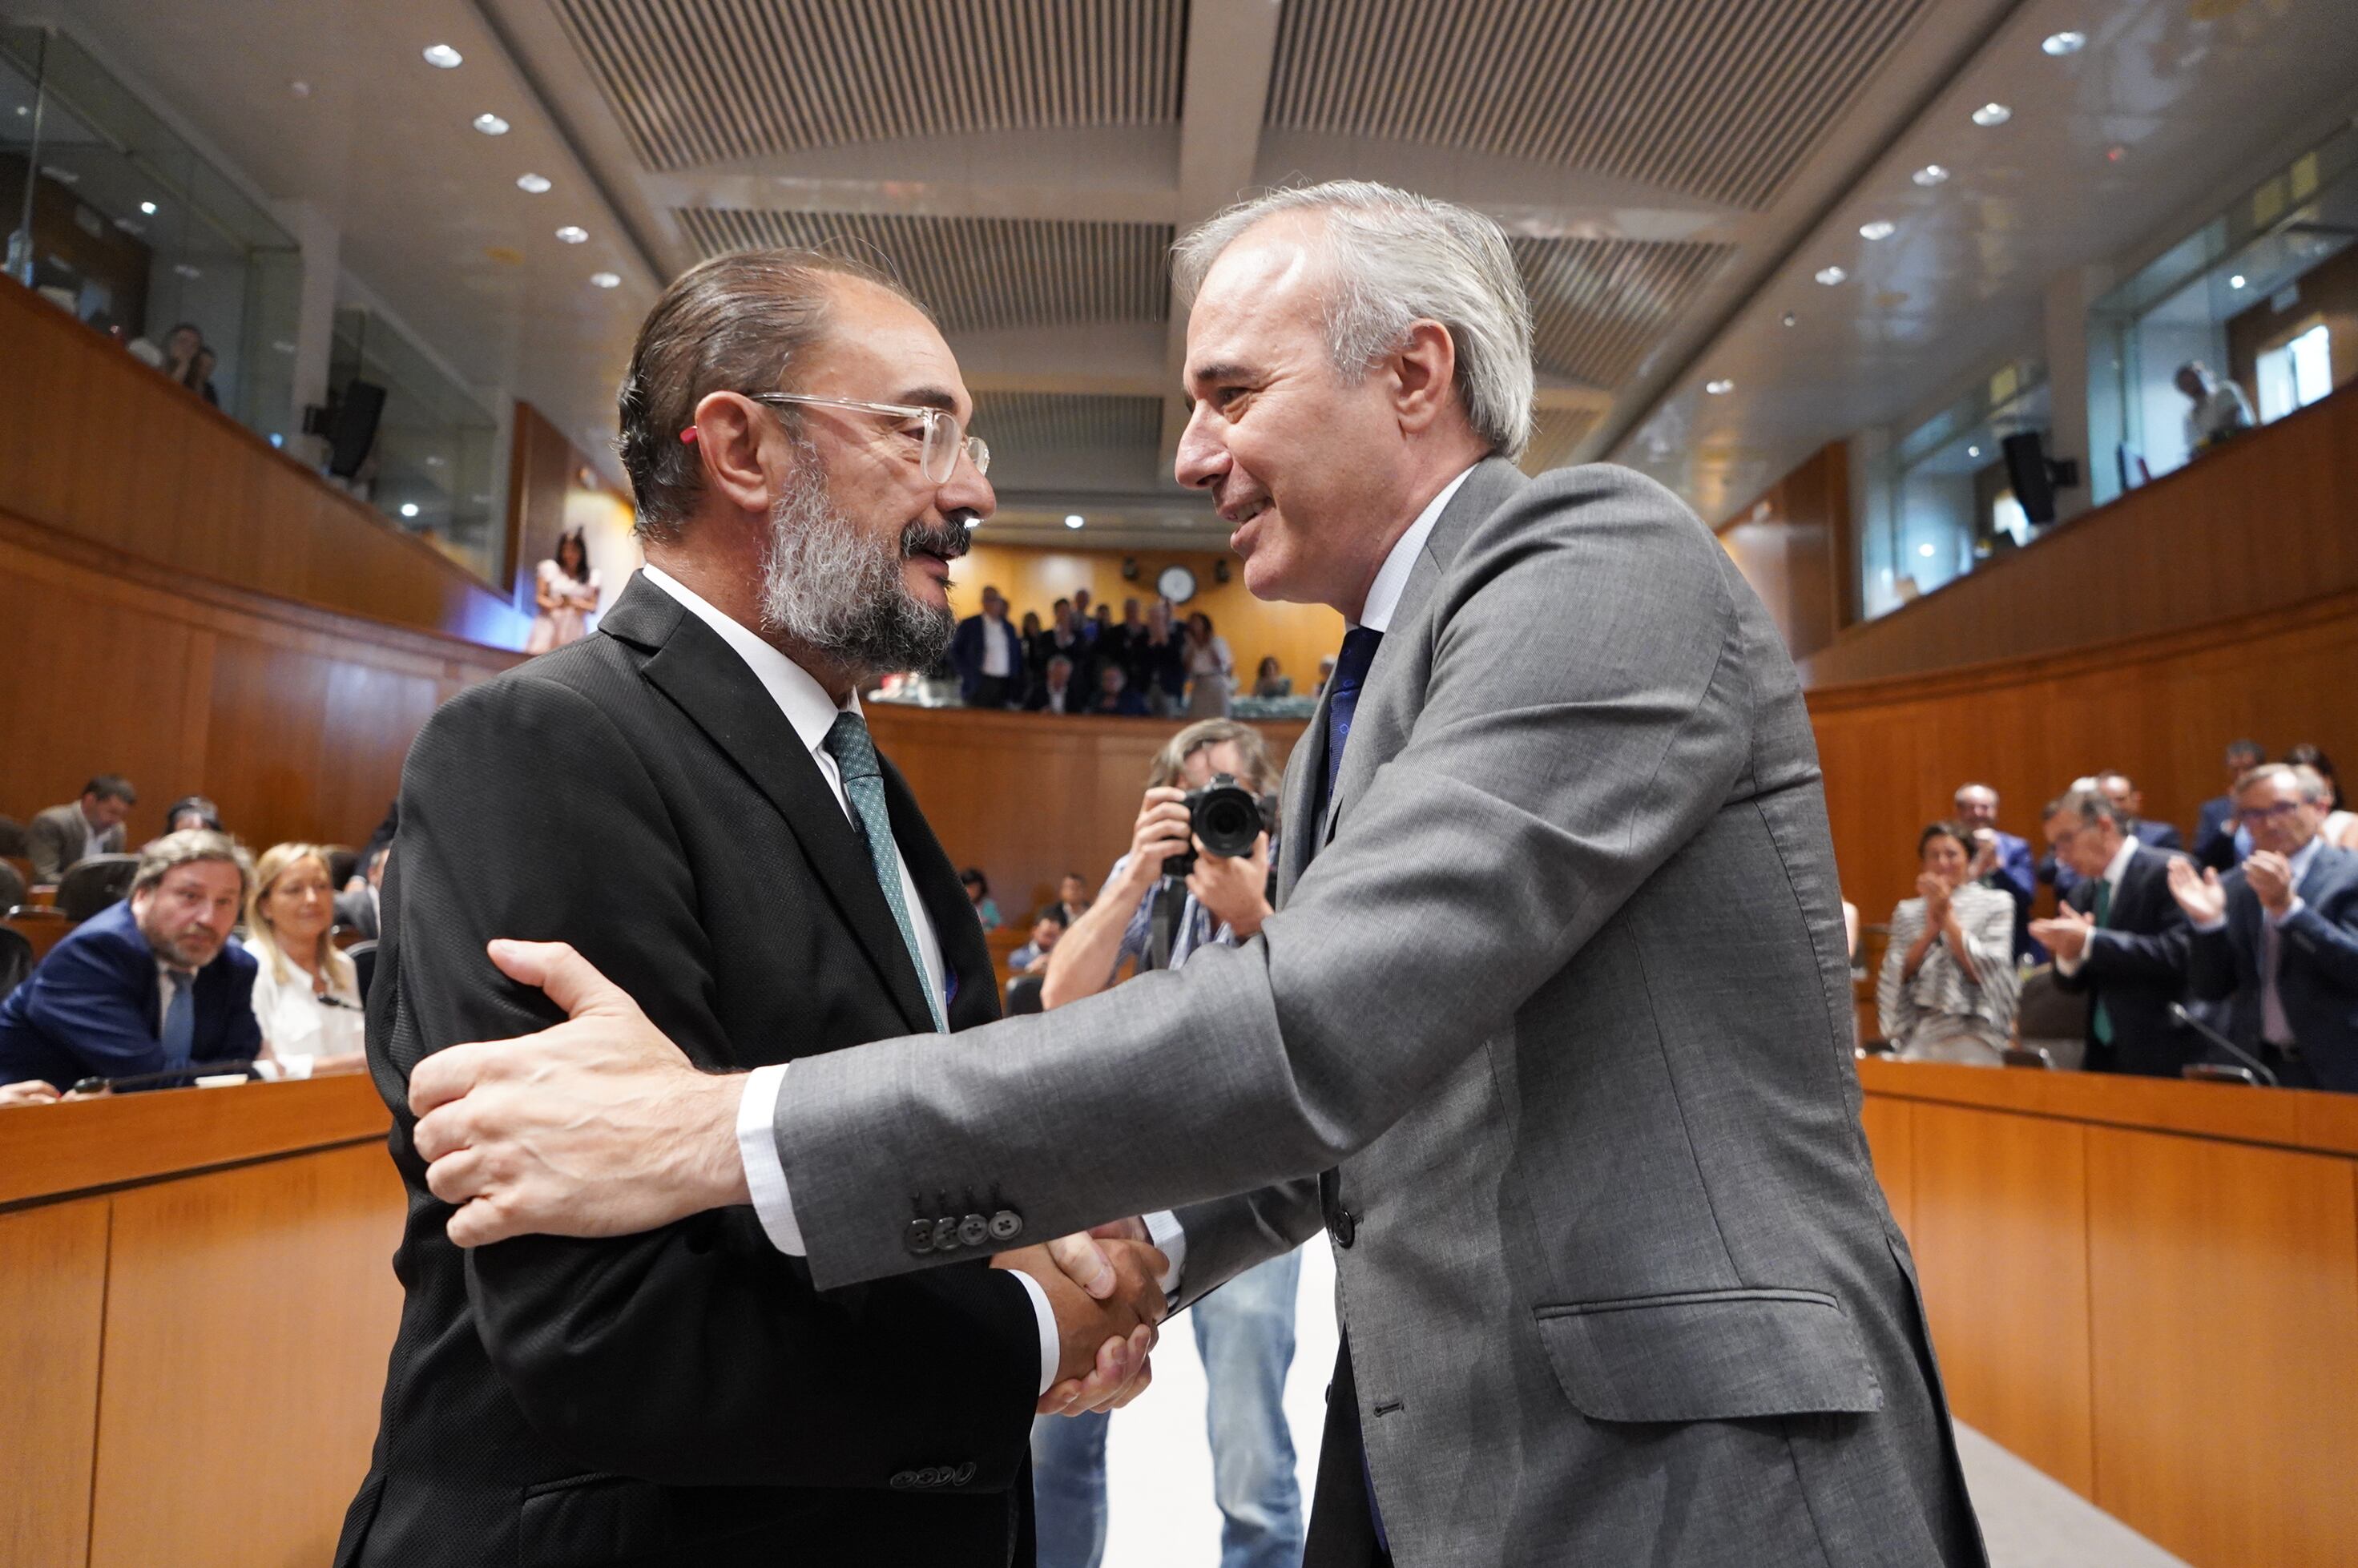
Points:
(241, 1040)
(1559, 758)
(698, 1353)
(2323, 946)
(86, 1007)
(1230, 1235)
(2156, 955)
(45, 846)
(1895, 1010)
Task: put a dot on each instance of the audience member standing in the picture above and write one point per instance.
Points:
(2340, 828)
(1121, 644)
(1948, 988)
(2121, 938)
(2001, 861)
(1085, 620)
(567, 590)
(307, 997)
(2279, 933)
(2218, 412)
(2129, 801)
(1065, 638)
(2219, 843)
(362, 908)
(192, 811)
(1211, 669)
(988, 656)
(62, 835)
(152, 984)
(1161, 656)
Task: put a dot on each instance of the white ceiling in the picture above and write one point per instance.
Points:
(1671, 172)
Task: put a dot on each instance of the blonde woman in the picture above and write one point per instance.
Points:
(306, 995)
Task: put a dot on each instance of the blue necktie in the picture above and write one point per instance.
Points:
(180, 1019)
(863, 784)
(1359, 646)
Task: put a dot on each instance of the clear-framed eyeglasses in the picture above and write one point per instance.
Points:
(940, 439)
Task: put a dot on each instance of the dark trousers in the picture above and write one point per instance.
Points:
(992, 691)
(1342, 1529)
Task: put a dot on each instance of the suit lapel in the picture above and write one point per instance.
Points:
(1302, 771)
(703, 675)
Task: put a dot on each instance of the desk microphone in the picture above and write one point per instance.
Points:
(2213, 1035)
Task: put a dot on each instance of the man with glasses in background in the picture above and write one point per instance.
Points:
(2280, 933)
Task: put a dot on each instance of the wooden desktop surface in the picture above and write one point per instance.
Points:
(2147, 1288)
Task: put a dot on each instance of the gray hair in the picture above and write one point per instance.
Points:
(190, 847)
(1399, 258)
(2310, 783)
(2089, 807)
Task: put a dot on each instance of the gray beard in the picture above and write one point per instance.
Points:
(838, 590)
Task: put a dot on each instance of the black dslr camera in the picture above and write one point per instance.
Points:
(1226, 816)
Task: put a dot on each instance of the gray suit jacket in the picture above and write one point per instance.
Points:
(1563, 995)
(60, 835)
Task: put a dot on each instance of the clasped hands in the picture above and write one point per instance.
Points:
(600, 1127)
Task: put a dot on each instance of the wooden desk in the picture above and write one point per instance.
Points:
(2147, 1288)
(42, 926)
(199, 1307)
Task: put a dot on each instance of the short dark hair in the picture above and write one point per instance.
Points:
(198, 804)
(734, 323)
(2253, 750)
(2090, 805)
(1944, 830)
(972, 877)
(112, 787)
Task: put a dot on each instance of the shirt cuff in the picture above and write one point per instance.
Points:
(765, 1174)
(2210, 927)
(1051, 1339)
(1162, 1228)
(2064, 966)
(2289, 911)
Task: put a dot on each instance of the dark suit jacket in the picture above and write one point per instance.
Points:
(966, 657)
(2016, 877)
(358, 910)
(2214, 834)
(2136, 971)
(2317, 970)
(684, 1396)
(90, 1008)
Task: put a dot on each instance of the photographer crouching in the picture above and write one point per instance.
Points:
(1197, 875)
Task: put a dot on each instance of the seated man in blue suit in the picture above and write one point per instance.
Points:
(152, 984)
(2002, 862)
(2218, 842)
(2280, 933)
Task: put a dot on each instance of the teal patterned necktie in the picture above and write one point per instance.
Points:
(863, 785)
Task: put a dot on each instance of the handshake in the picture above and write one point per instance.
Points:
(1105, 1290)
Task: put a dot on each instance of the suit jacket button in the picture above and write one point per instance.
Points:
(973, 1230)
(963, 1473)
(902, 1480)
(946, 1234)
(920, 1237)
(1344, 1228)
(1006, 1224)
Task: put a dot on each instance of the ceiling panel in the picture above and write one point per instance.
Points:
(1556, 434)
(1598, 306)
(1715, 100)
(696, 83)
(975, 272)
(1068, 440)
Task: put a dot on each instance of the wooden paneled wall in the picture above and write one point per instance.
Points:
(295, 720)
(553, 489)
(1033, 577)
(97, 446)
(1793, 545)
(1027, 796)
(2146, 1289)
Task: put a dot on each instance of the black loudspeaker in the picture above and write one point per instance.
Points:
(352, 427)
(1130, 569)
(2034, 476)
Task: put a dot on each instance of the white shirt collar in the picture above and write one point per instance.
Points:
(2119, 865)
(2304, 857)
(803, 700)
(1391, 577)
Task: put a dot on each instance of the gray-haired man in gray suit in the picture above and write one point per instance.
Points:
(1551, 1032)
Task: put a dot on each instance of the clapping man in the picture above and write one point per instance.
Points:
(2279, 933)
(2001, 861)
(2219, 841)
(2120, 937)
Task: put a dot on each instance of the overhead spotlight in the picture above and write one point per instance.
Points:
(1719, 388)
(2060, 43)
(148, 208)
(1925, 550)
(607, 279)
(444, 57)
(1990, 115)
(573, 233)
(1830, 275)
(1931, 174)
(1074, 520)
(491, 124)
(533, 184)
(1876, 229)
(1790, 319)
(2237, 281)
(409, 509)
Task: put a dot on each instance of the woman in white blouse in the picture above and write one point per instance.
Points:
(306, 995)
(1211, 669)
(1948, 988)
(566, 590)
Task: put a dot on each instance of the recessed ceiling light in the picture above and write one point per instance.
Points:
(1925, 551)
(573, 233)
(1074, 520)
(1875, 229)
(148, 208)
(1830, 275)
(1991, 115)
(491, 124)
(2237, 281)
(607, 279)
(444, 55)
(1720, 387)
(409, 509)
(1931, 174)
(2063, 43)
(533, 184)
(1790, 319)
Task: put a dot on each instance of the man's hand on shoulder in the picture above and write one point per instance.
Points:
(1107, 1337)
(598, 1126)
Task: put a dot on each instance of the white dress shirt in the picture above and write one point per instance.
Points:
(998, 648)
(1391, 577)
(299, 1024)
